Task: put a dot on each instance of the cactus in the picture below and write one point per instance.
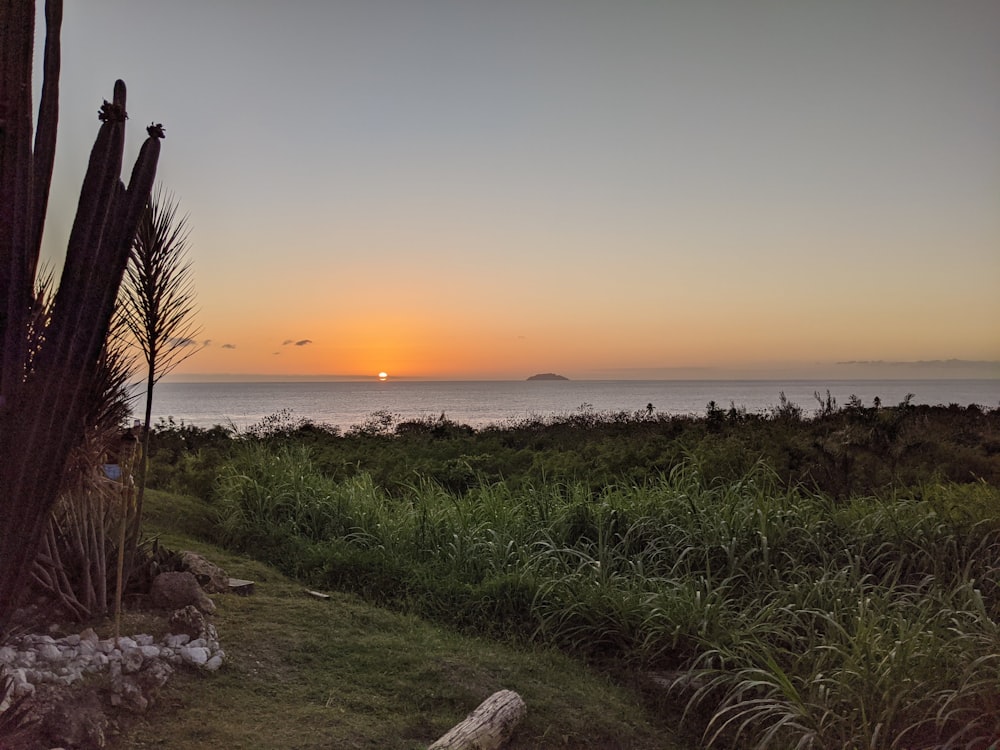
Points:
(41, 390)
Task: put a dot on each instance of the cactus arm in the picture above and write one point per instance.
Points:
(92, 273)
(140, 185)
(94, 208)
(45, 133)
(100, 180)
(115, 250)
(17, 28)
(95, 261)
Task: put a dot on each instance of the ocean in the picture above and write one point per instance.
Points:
(344, 404)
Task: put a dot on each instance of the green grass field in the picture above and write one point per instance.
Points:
(304, 673)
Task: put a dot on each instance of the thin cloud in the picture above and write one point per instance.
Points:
(303, 342)
(229, 346)
(182, 342)
(922, 362)
(286, 342)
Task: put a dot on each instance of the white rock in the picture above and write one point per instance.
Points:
(89, 635)
(25, 688)
(36, 659)
(50, 652)
(196, 655)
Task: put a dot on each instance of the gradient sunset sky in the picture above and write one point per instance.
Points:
(619, 188)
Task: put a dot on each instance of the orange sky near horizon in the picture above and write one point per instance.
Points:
(491, 190)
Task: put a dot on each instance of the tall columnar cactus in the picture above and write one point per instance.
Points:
(41, 390)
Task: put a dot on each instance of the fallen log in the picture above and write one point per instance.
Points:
(488, 727)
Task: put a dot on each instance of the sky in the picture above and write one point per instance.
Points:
(476, 189)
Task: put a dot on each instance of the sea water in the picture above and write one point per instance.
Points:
(344, 404)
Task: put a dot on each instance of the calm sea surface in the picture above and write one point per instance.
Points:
(478, 403)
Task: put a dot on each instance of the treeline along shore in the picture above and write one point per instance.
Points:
(824, 578)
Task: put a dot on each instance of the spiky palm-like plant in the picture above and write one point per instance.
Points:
(157, 307)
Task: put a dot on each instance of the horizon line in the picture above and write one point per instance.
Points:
(933, 369)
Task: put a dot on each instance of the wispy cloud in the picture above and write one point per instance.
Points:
(300, 342)
(182, 342)
(229, 346)
(925, 368)
(923, 362)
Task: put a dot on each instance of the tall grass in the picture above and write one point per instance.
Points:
(785, 620)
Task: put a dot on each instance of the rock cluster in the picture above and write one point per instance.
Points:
(49, 672)
(135, 664)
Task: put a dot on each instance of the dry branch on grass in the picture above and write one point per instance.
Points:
(489, 727)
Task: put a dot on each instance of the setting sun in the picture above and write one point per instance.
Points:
(383, 375)
(491, 247)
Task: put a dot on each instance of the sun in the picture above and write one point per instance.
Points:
(383, 376)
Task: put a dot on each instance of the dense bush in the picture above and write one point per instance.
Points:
(839, 451)
(186, 459)
(789, 616)
(827, 582)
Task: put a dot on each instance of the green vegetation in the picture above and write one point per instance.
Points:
(827, 582)
(344, 674)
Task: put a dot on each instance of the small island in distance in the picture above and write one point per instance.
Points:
(548, 376)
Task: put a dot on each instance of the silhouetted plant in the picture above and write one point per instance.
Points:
(42, 408)
(827, 405)
(157, 308)
(81, 544)
(786, 410)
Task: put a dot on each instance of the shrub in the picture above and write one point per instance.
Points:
(792, 617)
